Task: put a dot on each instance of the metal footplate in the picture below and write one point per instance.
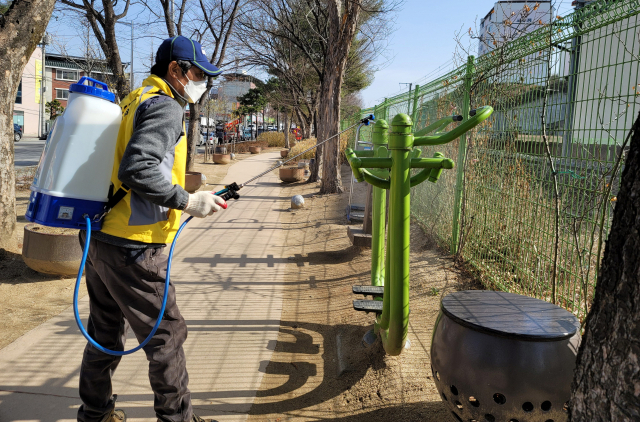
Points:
(374, 291)
(368, 306)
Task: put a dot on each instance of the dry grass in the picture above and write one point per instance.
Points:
(273, 139)
(301, 146)
(24, 177)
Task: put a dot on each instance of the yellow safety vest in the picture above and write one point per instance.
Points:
(134, 217)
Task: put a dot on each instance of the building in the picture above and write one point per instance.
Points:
(236, 85)
(604, 79)
(26, 110)
(60, 72)
(508, 20)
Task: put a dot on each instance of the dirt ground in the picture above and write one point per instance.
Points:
(320, 370)
(28, 298)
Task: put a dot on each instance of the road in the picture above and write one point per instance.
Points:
(28, 150)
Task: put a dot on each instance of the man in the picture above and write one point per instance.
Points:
(126, 268)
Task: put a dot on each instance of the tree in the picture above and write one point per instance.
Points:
(21, 29)
(606, 382)
(92, 59)
(54, 108)
(219, 19)
(252, 102)
(323, 32)
(102, 20)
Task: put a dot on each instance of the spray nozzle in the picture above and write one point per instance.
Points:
(368, 119)
(229, 192)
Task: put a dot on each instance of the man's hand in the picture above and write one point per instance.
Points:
(202, 204)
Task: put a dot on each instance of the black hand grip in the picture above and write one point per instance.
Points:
(472, 112)
(458, 118)
(232, 192)
(230, 195)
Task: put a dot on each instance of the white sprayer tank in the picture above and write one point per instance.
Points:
(74, 173)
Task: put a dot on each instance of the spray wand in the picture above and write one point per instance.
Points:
(229, 192)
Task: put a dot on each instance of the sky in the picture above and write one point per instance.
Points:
(420, 48)
(423, 43)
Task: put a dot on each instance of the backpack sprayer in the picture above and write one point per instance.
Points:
(71, 185)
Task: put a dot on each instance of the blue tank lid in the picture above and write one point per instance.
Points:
(98, 89)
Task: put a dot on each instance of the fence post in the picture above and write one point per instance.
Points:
(462, 149)
(415, 106)
(384, 110)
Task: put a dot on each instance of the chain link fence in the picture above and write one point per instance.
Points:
(530, 203)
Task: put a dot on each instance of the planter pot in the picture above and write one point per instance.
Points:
(221, 150)
(291, 174)
(255, 150)
(193, 180)
(51, 250)
(284, 153)
(222, 158)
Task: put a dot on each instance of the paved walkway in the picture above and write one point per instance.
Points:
(228, 272)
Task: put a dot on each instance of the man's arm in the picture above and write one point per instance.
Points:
(157, 129)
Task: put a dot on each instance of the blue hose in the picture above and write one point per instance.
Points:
(164, 297)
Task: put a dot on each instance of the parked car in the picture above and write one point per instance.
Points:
(210, 139)
(17, 133)
(272, 128)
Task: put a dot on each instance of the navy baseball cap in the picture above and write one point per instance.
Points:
(183, 48)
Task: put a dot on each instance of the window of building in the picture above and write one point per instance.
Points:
(18, 118)
(66, 75)
(62, 94)
(19, 94)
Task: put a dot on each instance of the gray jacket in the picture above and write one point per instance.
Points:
(157, 127)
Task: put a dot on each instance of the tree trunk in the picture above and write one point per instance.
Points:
(606, 385)
(342, 19)
(108, 44)
(286, 129)
(193, 133)
(21, 29)
(112, 52)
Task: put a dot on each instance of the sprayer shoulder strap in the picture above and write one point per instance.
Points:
(114, 198)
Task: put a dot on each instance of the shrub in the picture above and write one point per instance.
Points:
(273, 139)
(308, 143)
(301, 146)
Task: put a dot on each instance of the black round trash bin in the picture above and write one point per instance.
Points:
(499, 356)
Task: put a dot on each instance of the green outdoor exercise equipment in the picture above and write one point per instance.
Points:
(388, 167)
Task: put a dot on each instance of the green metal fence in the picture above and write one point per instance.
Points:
(531, 203)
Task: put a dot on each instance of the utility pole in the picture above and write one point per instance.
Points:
(131, 64)
(46, 39)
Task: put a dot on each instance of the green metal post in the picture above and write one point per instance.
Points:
(400, 146)
(462, 149)
(378, 212)
(392, 324)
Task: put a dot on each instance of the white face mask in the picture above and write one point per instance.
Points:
(194, 89)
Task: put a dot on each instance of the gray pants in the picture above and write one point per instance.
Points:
(125, 289)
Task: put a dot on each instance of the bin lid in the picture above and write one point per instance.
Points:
(510, 315)
(95, 89)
